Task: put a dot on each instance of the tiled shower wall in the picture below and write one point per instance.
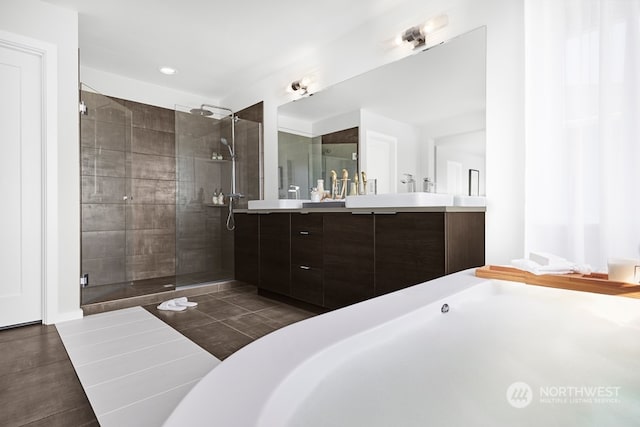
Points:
(128, 149)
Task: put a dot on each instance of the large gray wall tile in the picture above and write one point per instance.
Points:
(152, 191)
(103, 217)
(150, 242)
(151, 117)
(103, 244)
(102, 162)
(103, 189)
(148, 166)
(110, 136)
(104, 109)
(141, 267)
(148, 217)
(103, 271)
(190, 124)
(149, 141)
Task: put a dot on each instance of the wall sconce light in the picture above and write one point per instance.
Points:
(301, 87)
(417, 35)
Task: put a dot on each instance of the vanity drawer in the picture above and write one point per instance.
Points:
(306, 250)
(306, 284)
(306, 224)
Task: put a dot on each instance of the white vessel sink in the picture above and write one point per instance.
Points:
(469, 201)
(277, 204)
(399, 200)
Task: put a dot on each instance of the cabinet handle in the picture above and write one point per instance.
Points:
(304, 267)
(304, 233)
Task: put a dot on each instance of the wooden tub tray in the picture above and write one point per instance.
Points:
(595, 282)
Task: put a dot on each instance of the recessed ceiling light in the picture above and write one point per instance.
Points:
(168, 71)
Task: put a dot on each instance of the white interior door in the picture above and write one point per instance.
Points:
(21, 242)
(381, 161)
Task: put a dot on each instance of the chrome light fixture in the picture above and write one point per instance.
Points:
(417, 35)
(301, 87)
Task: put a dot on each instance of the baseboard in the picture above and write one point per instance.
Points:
(64, 317)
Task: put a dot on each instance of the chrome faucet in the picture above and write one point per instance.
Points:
(411, 183)
(427, 185)
(294, 192)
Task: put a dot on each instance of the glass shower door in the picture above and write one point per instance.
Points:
(105, 150)
(204, 244)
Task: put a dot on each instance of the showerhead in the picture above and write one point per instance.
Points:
(225, 142)
(201, 112)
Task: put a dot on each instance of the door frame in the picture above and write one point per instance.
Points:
(48, 54)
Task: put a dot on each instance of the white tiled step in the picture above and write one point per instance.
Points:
(134, 367)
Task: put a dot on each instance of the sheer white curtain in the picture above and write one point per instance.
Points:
(582, 67)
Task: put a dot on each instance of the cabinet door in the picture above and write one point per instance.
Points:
(465, 241)
(410, 249)
(306, 257)
(246, 249)
(347, 258)
(275, 253)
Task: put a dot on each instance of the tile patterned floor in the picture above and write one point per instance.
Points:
(39, 387)
(227, 320)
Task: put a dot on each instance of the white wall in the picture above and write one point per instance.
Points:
(337, 123)
(364, 49)
(59, 27)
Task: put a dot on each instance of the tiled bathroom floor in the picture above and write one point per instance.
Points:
(39, 387)
(227, 320)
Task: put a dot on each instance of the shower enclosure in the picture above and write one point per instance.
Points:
(149, 219)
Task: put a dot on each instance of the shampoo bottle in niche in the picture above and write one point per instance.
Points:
(214, 199)
(221, 198)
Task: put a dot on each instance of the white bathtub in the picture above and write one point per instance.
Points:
(504, 354)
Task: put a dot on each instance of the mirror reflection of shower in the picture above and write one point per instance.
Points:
(234, 196)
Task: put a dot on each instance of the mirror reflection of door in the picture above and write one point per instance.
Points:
(381, 161)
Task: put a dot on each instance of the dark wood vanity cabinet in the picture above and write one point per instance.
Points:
(334, 259)
(410, 249)
(348, 255)
(413, 247)
(246, 248)
(275, 253)
(464, 241)
(307, 258)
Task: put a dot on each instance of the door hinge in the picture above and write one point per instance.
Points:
(84, 280)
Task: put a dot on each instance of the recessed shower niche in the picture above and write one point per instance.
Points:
(149, 220)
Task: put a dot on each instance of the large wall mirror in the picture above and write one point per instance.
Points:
(423, 115)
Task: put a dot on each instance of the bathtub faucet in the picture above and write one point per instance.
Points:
(411, 183)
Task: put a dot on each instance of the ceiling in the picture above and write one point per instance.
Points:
(216, 46)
